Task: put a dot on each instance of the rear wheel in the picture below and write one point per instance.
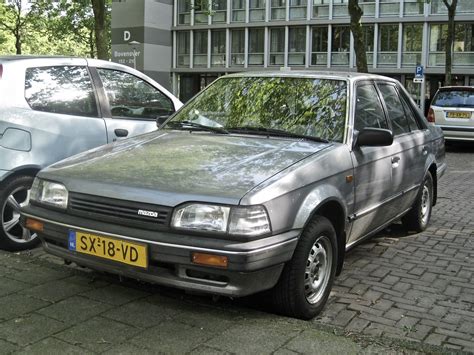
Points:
(418, 217)
(306, 280)
(15, 194)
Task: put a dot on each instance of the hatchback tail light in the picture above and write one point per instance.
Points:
(431, 116)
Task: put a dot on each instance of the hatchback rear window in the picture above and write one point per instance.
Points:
(454, 98)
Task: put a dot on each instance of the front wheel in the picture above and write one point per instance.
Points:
(15, 194)
(306, 280)
(418, 217)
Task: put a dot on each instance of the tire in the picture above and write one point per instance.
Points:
(14, 194)
(304, 285)
(418, 217)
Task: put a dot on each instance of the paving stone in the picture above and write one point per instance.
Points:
(16, 305)
(206, 350)
(9, 285)
(115, 294)
(7, 348)
(29, 329)
(54, 346)
(97, 334)
(39, 275)
(129, 349)
(435, 339)
(312, 342)
(56, 290)
(74, 309)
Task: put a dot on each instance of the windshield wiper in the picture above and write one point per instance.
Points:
(274, 132)
(191, 124)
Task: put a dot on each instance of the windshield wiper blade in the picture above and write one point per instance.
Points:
(191, 124)
(275, 132)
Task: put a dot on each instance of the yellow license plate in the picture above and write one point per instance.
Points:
(458, 115)
(109, 248)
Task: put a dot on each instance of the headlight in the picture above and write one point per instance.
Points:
(249, 221)
(49, 193)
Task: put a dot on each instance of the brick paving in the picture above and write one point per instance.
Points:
(398, 293)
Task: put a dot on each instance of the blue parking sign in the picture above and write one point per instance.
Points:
(419, 71)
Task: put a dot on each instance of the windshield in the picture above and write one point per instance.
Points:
(455, 98)
(269, 105)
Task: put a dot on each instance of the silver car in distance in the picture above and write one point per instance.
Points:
(259, 183)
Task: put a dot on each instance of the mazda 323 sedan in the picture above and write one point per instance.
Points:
(261, 182)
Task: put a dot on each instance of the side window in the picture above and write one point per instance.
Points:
(131, 97)
(368, 111)
(396, 113)
(412, 122)
(61, 89)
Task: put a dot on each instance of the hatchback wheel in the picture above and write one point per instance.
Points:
(307, 278)
(15, 194)
(418, 217)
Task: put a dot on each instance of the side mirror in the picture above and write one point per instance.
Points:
(161, 119)
(374, 137)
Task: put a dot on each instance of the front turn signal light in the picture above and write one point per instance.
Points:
(34, 225)
(210, 260)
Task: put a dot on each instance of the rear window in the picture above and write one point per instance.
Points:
(454, 98)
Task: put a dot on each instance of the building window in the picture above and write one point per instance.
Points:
(320, 9)
(238, 10)
(219, 11)
(257, 10)
(413, 7)
(256, 46)
(184, 12)
(340, 45)
(319, 45)
(182, 39)
(218, 48)
(201, 11)
(298, 9)
(237, 48)
(464, 44)
(368, 33)
(277, 46)
(297, 46)
(412, 39)
(278, 9)
(200, 49)
(388, 46)
(368, 7)
(463, 7)
(438, 34)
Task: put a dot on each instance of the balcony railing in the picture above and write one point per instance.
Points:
(219, 16)
(183, 60)
(200, 17)
(257, 15)
(368, 8)
(218, 60)
(184, 18)
(414, 8)
(200, 60)
(340, 59)
(389, 9)
(460, 59)
(463, 7)
(411, 59)
(297, 58)
(277, 58)
(278, 13)
(237, 59)
(370, 58)
(340, 10)
(256, 58)
(321, 11)
(319, 58)
(387, 59)
(297, 12)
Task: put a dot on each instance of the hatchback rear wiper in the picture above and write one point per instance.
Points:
(274, 132)
(191, 124)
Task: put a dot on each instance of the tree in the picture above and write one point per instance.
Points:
(451, 6)
(100, 26)
(356, 13)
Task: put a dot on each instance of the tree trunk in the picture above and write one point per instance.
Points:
(98, 6)
(18, 42)
(91, 44)
(450, 40)
(356, 28)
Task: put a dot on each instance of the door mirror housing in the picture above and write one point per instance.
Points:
(374, 137)
(161, 119)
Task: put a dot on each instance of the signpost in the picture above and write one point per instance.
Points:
(419, 74)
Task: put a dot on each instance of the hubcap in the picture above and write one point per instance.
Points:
(425, 204)
(318, 269)
(19, 198)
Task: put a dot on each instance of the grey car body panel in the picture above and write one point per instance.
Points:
(292, 178)
(33, 138)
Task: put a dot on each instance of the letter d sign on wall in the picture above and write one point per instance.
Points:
(126, 36)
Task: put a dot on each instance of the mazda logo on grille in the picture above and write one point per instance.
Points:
(148, 213)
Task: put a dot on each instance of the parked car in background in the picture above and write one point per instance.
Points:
(452, 109)
(261, 182)
(55, 107)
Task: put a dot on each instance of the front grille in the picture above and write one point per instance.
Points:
(119, 211)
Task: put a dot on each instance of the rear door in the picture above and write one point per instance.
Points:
(132, 105)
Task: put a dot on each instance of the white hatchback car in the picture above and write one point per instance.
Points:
(452, 109)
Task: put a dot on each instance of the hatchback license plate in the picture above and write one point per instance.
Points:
(108, 248)
(458, 115)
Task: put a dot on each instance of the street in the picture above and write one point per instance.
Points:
(398, 293)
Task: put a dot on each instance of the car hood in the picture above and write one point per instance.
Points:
(171, 167)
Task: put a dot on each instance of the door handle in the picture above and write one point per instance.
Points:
(424, 150)
(119, 132)
(395, 162)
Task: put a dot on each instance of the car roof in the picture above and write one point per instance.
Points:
(320, 74)
(449, 88)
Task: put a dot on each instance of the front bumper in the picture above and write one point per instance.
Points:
(253, 266)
